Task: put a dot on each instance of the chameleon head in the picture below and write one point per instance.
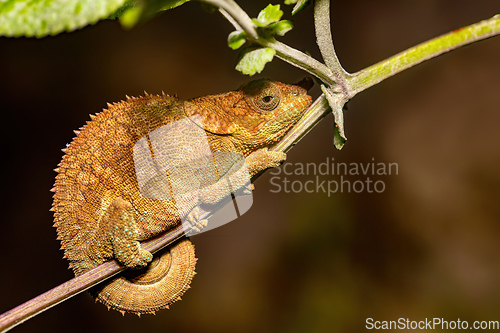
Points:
(254, 116)
(273, 107)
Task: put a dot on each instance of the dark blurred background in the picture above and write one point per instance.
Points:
(426, 247)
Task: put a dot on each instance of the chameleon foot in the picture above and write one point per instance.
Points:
(263, 159)
(117, 237)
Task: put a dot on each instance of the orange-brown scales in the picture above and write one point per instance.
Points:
(99, 211)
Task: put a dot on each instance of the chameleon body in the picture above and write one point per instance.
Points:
(99, 211)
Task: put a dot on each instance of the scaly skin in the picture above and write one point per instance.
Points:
(100, 213)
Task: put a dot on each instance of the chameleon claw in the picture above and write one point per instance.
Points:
(195, 224)
(199, 226)
(194, 216)
(196, 213)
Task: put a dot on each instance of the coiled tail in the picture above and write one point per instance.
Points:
(153, 288)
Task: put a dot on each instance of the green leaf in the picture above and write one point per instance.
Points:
(236, 39)
(299, 5)
(339, 137)
(49, 17)
(119, 12)
(132, 15)
(268, 15)
(144, 10)
(280, 28)
(253, 59)
(171, 4)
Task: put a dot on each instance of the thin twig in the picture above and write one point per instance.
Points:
(230, 19)
(324, 40)
(430, 49)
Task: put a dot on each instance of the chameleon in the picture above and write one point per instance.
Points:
(99, 211)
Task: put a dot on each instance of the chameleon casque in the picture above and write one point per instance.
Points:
(99, 211)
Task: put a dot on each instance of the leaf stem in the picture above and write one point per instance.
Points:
(300, 60)
(241, 21)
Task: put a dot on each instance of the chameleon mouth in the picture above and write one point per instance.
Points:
(306, 83)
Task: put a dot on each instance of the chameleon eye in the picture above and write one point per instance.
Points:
(268, 99)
